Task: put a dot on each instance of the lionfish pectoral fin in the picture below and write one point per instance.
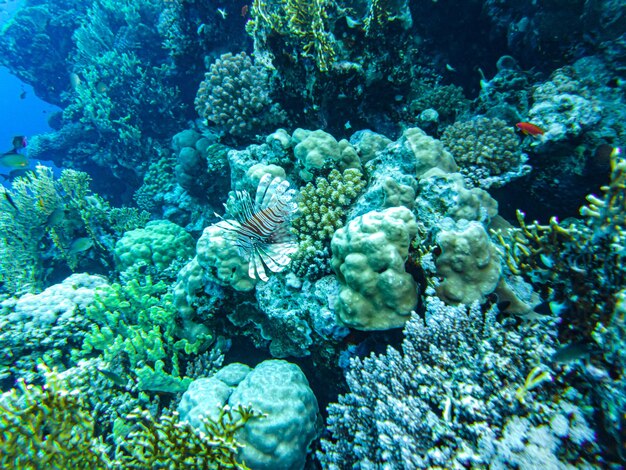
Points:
(256, 268)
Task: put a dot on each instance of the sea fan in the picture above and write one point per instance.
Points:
(261, 231)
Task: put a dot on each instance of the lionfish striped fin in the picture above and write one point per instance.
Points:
(260, 231)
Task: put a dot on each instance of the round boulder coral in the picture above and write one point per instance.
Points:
(369, 253)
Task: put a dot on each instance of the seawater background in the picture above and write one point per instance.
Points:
(27, 116)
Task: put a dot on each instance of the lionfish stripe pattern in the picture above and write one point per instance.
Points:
(260, 231)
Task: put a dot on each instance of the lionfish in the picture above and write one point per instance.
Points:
(261, 232)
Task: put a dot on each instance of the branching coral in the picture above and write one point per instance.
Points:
(306, 22)
(44, 220)
(577, 262)
(48, 427)
(579, 266)
(443, 400)
(168, 442)
(323, 207)
(53, 426)
(134, 329)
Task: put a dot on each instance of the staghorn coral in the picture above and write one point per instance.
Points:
(445, 399)
(487, 150)
(322, 210)
(53, 426)
(234, 97)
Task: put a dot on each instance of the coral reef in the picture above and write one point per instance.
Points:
(133, 328)
(303, 24)
(318, 151)
(152, 249)
(277, 389)
(47, 222)
(561, 108)
(49, 326)
(171, 442)
(469, 263)
(49, 426)
(448, 399)
(322, 210)
(578, 266)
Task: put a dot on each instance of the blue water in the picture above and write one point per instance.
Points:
(23, 112)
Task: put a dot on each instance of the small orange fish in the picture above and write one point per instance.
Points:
(528, 128)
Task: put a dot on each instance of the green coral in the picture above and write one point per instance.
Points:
(41, 217)
(48, 427)
(157, 245)
(170, 443)
(303, 21)
(53, 426)
(323, 207)
(134, 329)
